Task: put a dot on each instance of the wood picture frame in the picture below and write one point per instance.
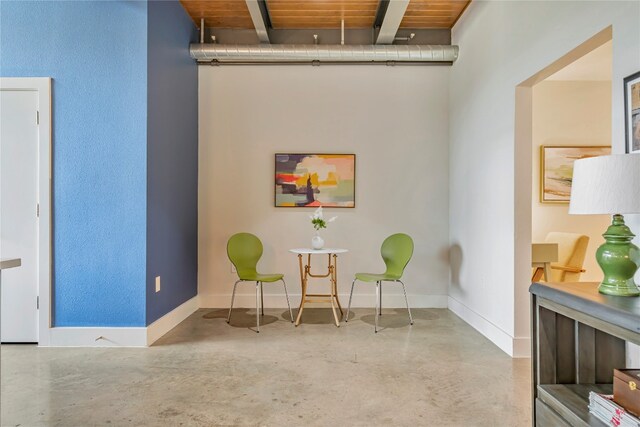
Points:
(556, 169)
(632, 113)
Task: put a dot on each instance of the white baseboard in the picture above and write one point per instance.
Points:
(170, 320)
(97, 337)
(513, 346)
(121, 337)
(359, 300)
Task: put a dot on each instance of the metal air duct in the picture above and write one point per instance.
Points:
(289, 53)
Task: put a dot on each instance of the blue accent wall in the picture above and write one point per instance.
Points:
(96, 53)
(172, 159)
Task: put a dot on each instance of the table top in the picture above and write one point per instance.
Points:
(584, 297)
(318, 251)
(10, 263)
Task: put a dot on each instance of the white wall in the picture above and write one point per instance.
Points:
(569, 113)
(395, 119)
(503, 43)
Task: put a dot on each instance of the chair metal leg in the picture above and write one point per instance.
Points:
(380, 300)
(346, 319)
(233, 295)
(377, 300)
(407, 301)
(261, 298)
(287, 295)
(258, 307)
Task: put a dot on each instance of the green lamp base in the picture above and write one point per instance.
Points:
(619, 260)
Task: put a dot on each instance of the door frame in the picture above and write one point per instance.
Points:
(523, 178)
(41, 85)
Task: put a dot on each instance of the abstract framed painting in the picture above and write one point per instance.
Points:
(312, 180)
(632, 112)
(556, 169)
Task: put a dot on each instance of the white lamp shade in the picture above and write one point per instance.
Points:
(606, 185)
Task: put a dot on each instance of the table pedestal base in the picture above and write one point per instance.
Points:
(305, 273)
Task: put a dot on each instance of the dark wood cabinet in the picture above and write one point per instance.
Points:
(578, 337)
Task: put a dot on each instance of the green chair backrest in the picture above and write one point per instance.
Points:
(396, 251)
(244, 251)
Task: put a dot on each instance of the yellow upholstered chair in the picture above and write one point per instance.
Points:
(572, 249)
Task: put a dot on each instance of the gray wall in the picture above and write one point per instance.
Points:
(504, 44)
(393, 118)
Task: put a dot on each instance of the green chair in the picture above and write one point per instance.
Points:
(396, 251)
(244, 251)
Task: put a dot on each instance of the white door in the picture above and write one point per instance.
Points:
(18, 213)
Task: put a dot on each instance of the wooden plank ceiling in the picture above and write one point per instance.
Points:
(219, 13)
(299, 14)
(433, 14)
(291, 14)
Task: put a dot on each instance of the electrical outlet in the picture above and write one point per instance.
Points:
(157, 283)
(233, 268)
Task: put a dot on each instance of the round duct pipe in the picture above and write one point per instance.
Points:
(289, 53)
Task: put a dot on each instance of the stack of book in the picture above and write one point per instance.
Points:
(606, 410)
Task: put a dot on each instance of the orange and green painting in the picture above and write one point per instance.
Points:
(315, 180)
(557, 169)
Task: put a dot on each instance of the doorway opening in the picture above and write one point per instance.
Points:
(571, 119)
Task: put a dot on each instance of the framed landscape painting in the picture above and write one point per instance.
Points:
(312, 180)
(632, 112)
(556, 169)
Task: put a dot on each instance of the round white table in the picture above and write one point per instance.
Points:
(332, 274)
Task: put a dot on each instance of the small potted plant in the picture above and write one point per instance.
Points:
(319, 223)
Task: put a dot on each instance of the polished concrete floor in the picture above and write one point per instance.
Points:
(438, 372)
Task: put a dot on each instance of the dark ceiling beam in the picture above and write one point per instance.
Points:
(258, 18)
(391, 21)
(382, 9)
(265, 13)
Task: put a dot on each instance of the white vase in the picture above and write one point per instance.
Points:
(317, 242)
